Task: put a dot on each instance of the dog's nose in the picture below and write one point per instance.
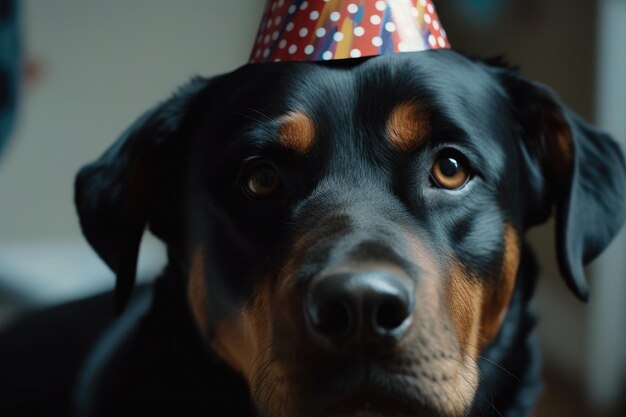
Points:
(364, 309)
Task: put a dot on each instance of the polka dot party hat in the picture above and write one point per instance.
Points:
(314, 30)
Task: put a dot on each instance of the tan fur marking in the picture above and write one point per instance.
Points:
(297, 132)
(197, 291)
(242, 340)
(465, 299)
(439, 302)
(237, 339)
(498, 294)
(408, 126)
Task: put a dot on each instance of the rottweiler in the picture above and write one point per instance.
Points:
(344, 238)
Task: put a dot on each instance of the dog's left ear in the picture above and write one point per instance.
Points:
(133, 185)
(573, 167)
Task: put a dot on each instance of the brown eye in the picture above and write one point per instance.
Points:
(261, 180)
(450, 172)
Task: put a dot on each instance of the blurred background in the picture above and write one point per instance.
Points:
(89, 68)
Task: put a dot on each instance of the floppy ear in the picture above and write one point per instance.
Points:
(133, 184)
(573, 167)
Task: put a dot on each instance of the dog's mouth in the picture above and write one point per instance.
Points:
(369, 402)
(375, 394)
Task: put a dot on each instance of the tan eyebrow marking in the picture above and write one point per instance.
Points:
(408, 126)
(297, 132)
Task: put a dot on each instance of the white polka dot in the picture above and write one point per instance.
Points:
(402, 47)
(427, 18)
(430, 8)
(282, 43)
(355, 53)
(353, 8)
(413, 12)
(375, 19)
(334, 16)
(304, 5)
(443, 32)
(274, 6)
(381, 5)
(327, 55)
(423, 3)
(275, 35)
(377, 41)
(266, 39)
(277, 20)
(292, 49)
(309, 49)
(303, 32)
(431, 40)
(359, 31)
(266, 53)
(320, 32)
(441, 41)
(269, 23)
(314, 15)
(338, 36)
(292, 9)
(258, 53)
(277, 60)
(289, 27)
(436, 24)
(281, 3)
(390, 26)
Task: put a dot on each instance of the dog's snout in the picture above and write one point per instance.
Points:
(361, 309)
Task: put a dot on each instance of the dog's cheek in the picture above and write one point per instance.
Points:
(498, 292)
(464, 295)
(240, 338)
(197, 292)
(449, 310)
(234, 337)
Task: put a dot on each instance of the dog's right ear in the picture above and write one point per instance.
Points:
(131, 183)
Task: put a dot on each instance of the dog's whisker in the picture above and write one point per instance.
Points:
(494, 407)
(496, 364)
(247, 116)
(253, 369)
(492, 362)
(265, 116)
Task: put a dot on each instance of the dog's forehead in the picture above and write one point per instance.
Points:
(442, 81)
(353, 101)
(446, 78)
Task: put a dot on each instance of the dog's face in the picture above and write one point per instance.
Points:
(350, 233)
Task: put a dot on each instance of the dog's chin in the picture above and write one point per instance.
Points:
(367, 403)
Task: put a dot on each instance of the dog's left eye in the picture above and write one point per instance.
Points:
(450, 171)
(261, 179)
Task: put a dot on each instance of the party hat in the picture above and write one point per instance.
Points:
(314, 30)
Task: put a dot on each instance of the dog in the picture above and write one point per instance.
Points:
(344, 238)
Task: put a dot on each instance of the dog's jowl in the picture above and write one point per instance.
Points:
(347, 238)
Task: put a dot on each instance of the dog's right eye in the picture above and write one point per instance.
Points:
(261, 179)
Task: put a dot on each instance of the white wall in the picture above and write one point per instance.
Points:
(103, 63)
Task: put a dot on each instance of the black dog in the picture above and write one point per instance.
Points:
(344, 239)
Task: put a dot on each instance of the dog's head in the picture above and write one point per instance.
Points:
(350, 232)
